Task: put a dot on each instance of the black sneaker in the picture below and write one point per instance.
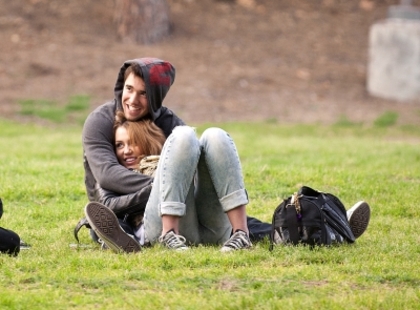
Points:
(173, 241)
(105, 224)
(239, 240)
(359, 216)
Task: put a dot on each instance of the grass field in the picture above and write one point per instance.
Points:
(41, 184)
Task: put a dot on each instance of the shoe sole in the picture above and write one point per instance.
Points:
(359, 219)
(105, 224)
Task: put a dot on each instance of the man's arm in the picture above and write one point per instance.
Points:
(123, 205)
(101, 164)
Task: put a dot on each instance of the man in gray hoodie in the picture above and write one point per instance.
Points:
(141, 87)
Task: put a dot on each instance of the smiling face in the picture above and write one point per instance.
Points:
(134, 99)
(128, 154)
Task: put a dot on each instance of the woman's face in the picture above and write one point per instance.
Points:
(128, 154)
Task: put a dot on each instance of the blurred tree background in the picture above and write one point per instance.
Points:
(142, 21)
(287, 61)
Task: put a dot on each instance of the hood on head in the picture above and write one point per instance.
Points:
(158, 76)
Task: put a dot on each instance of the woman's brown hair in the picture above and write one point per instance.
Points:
(143, 133)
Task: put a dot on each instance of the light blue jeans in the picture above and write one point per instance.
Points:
(198, 180)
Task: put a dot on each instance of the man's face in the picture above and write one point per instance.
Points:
(134, 98)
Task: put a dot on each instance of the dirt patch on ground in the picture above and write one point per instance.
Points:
(249, 60)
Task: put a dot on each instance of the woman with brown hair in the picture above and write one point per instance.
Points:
(138, 144)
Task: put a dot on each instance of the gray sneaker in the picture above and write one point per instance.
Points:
(173, 241)
(105, 224)
(359, 216)
(239, 240)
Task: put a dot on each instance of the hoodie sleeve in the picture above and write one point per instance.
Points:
(167, 121)
(134, 203)
(100, 158)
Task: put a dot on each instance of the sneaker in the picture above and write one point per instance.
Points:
(359, 216)
(24, 246)
(173, 241)
(105, 224)
(239, 240)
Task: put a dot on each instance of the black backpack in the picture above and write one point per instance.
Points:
(310, 217)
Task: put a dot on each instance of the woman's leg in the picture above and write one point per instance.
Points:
(220, 191)
(172, 189)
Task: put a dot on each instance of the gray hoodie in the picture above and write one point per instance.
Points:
(108, 182)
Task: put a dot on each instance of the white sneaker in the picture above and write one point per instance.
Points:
(358, 217)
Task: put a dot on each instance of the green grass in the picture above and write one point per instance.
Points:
(41, 184)
(74, 111)
(387, 119)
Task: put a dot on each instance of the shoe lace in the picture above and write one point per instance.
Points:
(174, 241)
(238, 240)
(103, 244)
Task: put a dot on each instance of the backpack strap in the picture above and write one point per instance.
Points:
(272, 232)
(292, 214)
(324, 233)
(273, 225)
(80, 224)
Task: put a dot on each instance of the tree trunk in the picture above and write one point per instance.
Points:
(142, 21)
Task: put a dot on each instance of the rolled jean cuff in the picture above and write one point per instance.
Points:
(234, 200)
(172, 208)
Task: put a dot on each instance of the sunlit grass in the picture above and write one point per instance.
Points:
(42, 187)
